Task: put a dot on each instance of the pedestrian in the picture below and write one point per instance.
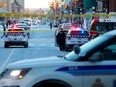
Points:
(7, 23)
(50, 25)
(4, 30)
(61, 40)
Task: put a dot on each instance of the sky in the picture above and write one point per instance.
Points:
(37, 3)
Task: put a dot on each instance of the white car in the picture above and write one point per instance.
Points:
(28, 22)
(66, 26)
(76, 36)
(16, 36)
(91, 65)
(25, 26)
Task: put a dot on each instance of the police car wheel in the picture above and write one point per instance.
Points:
(6, 45)
(52, 84)
(26, 45)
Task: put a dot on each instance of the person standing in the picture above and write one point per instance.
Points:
(7, 24)
(50, 25)
(4, 30)
(61, 40)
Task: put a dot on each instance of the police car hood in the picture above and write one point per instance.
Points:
(38, 62)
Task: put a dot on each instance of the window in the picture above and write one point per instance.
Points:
(105, 26)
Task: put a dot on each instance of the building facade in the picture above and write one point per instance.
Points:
(7, 7)
(13, 6)
(112, 6)
(75, 5)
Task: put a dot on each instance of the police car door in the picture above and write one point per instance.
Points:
(100, 69)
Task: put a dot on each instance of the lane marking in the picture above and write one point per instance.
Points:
(3, 65)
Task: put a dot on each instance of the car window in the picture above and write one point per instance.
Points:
(108, 52)
(67, 27)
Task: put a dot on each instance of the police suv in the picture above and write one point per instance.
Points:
(90, 65)
(76, 35)
(16, 36)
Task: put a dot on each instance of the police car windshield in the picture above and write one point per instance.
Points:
(87, 47)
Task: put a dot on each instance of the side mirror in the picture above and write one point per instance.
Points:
(77, 49)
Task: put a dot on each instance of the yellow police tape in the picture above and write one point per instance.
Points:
(54, 15)
(51, 30)
(30, 31)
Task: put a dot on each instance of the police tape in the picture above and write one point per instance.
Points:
(51, 30)
(55, 15)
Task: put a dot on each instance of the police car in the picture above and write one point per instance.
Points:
(91, 65)
(76, 35)
(16, 36)
(25, 26)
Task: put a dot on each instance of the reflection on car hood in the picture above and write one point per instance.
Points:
(38, 62)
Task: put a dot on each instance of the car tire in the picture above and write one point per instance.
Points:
(26, 45)
(6, 45)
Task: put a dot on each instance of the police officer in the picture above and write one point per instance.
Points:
(4, 30)
(50, 25)
(61, 40)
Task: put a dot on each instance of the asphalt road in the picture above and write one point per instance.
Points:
(41, 45)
